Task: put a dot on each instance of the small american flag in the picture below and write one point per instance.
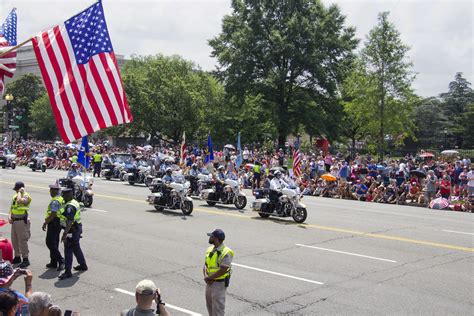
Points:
(7, 39)
(296, 163)
(81, 75)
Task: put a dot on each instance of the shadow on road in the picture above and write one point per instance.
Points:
(50, 274)
(68, 282)
(176, 213)
(280, 221)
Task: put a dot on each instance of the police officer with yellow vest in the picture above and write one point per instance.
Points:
(18, 217)
(97, 158)
(52, 223)
(71, 222)
(217, 271)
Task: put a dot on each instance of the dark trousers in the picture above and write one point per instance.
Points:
(52, 242)
(72, 246)
(97, 168)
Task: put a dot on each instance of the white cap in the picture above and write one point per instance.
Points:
(146, 287)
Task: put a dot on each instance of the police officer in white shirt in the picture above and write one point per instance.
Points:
(276, 185)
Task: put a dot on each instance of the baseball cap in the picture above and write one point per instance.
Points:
(146, 287)
(6, 272)
(218, 233)
(18, 185)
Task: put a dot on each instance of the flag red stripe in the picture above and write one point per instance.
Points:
(102, 91)
(115, 90)
(72, 80)
(90, 97)
(62, 93)
(49, 89)
(124, 98)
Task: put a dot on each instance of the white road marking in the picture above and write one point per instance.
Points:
(96, 210)
(453, 231)
(276, 273)
(347, 253)
(179, 309)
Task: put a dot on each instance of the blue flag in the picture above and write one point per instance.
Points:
(83, 156)
(238, 160)
(209, 151)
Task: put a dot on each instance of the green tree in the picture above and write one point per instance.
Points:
(389, 78)
(429, 122)
(42, 119)
(455, 107)
(25, 90)
(469, 126)
(291, 54)
(167, 96)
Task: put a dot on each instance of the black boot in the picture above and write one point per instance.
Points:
(66, 275)
(81, 268)
(16, 260)
(25, 263)
(52, 265)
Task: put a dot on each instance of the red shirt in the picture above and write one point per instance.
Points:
(7, 249)
(445, 187)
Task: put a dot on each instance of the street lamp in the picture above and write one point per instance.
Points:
(8, 113)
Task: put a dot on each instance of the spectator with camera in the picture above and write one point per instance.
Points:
(8, 275)
(145, 293)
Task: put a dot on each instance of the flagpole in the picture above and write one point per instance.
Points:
(29, 39)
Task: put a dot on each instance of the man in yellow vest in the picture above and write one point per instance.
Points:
(97, 158)
(217, 271)
(52, 223)
(71, 222)
(18, 217)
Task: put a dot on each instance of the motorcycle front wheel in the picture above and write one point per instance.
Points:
(300, 214)
(13, 166)
(240, 202)
(88, 199)
(43, 168)
(187, 207)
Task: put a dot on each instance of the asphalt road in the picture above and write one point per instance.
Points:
(349, 258)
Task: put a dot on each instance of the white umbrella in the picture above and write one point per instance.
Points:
(450, 152)
(70, 146)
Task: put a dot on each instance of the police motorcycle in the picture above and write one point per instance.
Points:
(226, 193)
(113, 167)
(199, 180)
(38, 162)
(170, 196)
(7, 159)
(81, 187)
(139, 173)
(286, 204)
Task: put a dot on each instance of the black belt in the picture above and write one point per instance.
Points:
(222, 280)
(18, 219)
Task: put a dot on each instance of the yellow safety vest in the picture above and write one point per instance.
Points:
(213, 261)
(20, 209)
(97, 157)
(77, 216)
(61, 202)
(256, 168)
(74, 158)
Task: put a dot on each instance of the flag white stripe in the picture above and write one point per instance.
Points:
(80, 83)
(64, 79)
(10, 60)
(108, 88)
(118, 83)
(54, 84)
(96, 94)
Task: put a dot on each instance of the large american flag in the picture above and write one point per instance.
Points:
(296, 163)
(182, 154)
(81, 75)
(7, 39)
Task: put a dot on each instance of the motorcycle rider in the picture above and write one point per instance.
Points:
(194, 170)
(73, 171)
(220, 181)
(168, 178)
(276, 184)
(193, 173)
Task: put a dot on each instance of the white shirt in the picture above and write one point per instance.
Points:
(246, 154)
(277, 184)
(470, 178)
